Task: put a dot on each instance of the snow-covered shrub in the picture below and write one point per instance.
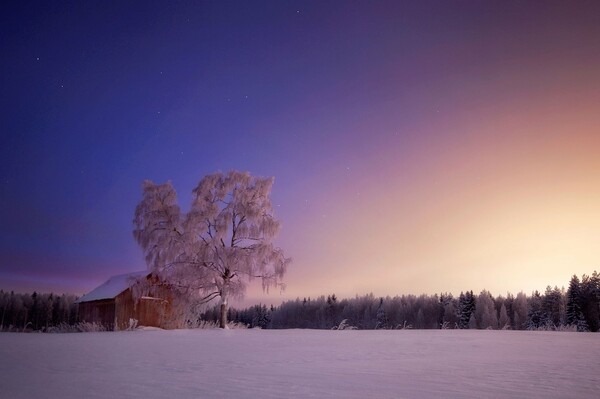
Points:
(132, 324)
(404, 326)
(90, 327)
(207, 325)
(61, 328)
(563, 328)
(78, 327)
(345, 326)
(552, 327)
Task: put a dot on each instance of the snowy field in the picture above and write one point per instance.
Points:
(301, 364)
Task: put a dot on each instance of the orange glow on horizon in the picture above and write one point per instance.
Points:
(506, 202)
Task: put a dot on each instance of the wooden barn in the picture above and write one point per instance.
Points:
(112, 304)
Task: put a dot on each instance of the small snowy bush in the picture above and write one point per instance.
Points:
(206, 325)
(404, 326)
(132, 324)
(345, 326)
(78, 327)
(551, 327)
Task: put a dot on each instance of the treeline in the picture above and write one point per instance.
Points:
(578, 308)
(36, 312)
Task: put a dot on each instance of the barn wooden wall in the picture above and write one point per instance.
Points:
(148, 312)
(102, 312)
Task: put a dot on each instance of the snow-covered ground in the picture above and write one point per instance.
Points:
(300, 363)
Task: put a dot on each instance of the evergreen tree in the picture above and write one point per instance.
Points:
(4, 298)
(535, 317)
(448, 312)
(382, 320)
(466, 308)
(590, 300)
(460, 311)
(331, 311)
(551, 307)
(573, 314)
(34, 313)
(261, 317)
(509, 303)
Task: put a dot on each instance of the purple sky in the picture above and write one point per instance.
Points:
(354, 107)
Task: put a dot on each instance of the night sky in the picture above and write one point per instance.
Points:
(417, 147)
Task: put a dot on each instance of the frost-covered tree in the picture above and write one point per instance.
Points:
(485, 312)
(225, 240)
(520, 310)
(472, 322)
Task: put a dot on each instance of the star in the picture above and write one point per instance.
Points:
(38, 58)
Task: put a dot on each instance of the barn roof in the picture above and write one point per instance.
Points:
(112, 287)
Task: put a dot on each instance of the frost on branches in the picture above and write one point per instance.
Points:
(224, 241)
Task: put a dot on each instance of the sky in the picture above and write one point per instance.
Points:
(417, 147)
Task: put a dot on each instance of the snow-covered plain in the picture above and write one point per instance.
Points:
(301, 363)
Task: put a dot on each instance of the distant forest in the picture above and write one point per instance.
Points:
(577, 308)
(37, 312)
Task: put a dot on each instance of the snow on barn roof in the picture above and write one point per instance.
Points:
(112, 287)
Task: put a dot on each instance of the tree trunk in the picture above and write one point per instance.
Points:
(223, 318)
